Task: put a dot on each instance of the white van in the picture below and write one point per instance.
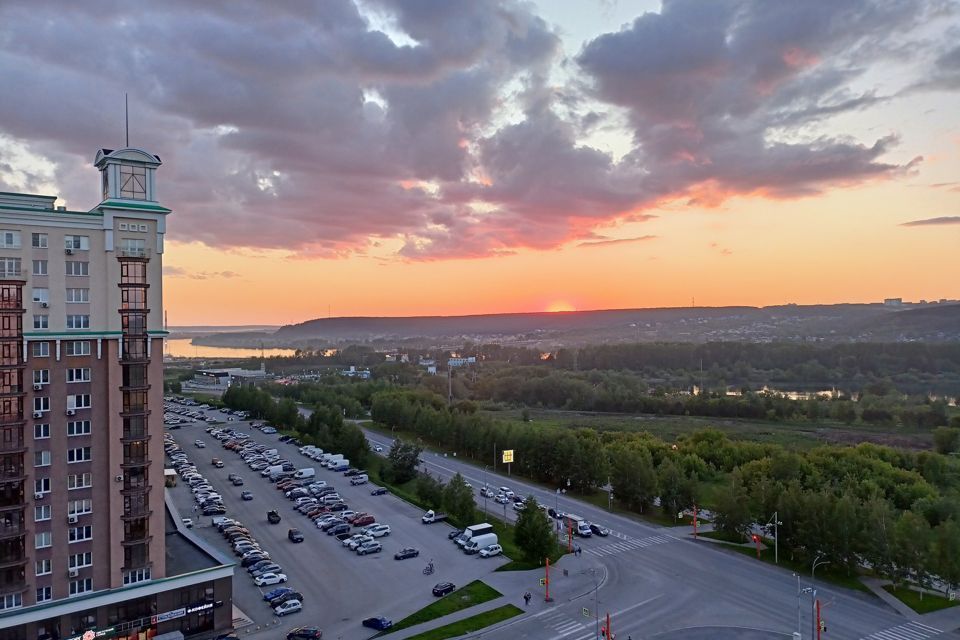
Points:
(309, 472)
(475, 543)
(359, 479)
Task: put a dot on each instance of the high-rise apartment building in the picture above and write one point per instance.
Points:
(83, 522)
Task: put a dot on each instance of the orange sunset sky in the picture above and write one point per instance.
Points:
(376, 157)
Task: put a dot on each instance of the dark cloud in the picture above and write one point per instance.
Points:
(612, 241)
(943, 220)
(299, 125)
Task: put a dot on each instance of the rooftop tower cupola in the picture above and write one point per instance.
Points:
(127, 174)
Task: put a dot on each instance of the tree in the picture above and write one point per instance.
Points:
(732, 508)
(945, 553)
(946, 439)
(458, 500)
(430, 490)
(402, 461)
(633, 477)
(532, 533)
(912, 548)
(677, 492)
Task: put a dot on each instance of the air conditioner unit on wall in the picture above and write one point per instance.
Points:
(118, 478)
(71, 412)
(44, 304)
(69, 252)
(37, 387)
(38, 496)
(73, 573)
(38, 414)
(72, 520)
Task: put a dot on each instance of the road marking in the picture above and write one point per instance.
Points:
(909, 631)
(629, 544)
(562, 624)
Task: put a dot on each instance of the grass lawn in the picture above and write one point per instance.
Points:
(473, 594)
(912, 599)
(471, 624)
(835, 577)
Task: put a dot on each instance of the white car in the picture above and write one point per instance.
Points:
(290, 606)
(270, 578)
(378, 449)
(352, 539)
(492, 550)
(359, 541)
(518, 506)
(379, 530)
(501, 499)
(199, 444)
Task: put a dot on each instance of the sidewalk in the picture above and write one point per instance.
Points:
(513, 584)
(944, 620)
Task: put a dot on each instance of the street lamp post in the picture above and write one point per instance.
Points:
(775, 520)
(817, 562)
(485, 467)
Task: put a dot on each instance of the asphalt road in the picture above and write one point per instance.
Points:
(340, 588)
(659, 582)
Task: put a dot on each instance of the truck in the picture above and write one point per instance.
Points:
(432, 516)
(343, 465)
(475, 543)
(307, 472)
(580, 526)
(272, 470)
(473, 531)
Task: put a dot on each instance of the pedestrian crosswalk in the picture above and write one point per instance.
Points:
(564, 625)
(627, 544)
(909, 631)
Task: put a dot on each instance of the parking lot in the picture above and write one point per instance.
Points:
(340, 588)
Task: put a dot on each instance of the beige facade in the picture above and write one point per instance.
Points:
(81, 399)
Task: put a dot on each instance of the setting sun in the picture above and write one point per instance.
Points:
(560, 305)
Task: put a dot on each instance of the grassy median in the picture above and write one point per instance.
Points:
(473, 594)
(471, 624)
(926, 603)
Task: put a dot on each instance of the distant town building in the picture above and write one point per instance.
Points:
(396, 357)
(461, 362)
(353, 372)
(217, 381)
(893, 302)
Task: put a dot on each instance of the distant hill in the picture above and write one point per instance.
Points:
(924, 323)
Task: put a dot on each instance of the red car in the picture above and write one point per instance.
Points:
(363, 519)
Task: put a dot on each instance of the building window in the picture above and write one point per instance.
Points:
(41, 512)
(81, 560)
(77, 243)
(78, 401)
(10, 267)
(11, 601)
(41, 431)
(41, 485)
(41, 376)
(78, 321)
(38, 240)
(41, 458)
(79, 454)
(133, 247)
(78, 295)
(79, 481)
(41, 321)
(43, 540)
(78, 428)
(133, 182)
(44, 594)
(9, 239)
(137, 575)
(79, 507)
(84, 585)
(39, 267)
(41, 294)
(78, 348)
(40, 349)
(78, 375)
(41, 403)
(44, 567)
(78, 268)
(133, 273)
(79, 534)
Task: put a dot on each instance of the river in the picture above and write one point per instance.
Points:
(181, 348)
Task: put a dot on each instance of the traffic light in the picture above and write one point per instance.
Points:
(603, 632)
(823, 626)
(756, 538)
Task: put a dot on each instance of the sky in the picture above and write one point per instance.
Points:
(446, 157)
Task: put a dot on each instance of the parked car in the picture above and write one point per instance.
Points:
(501, 499)
(369, 547)
(273, 517)
(290, 606)
(598, 530)
(237, 481)
(453, 534)
(443, 588)
(270, 578)
(379, 530)
(379, 622)
(268, 569)
(492, 550)
(338, 529)
(289, 595)
(379, 491)
(406, 552)
(275, 593)
(246, 495)
(304, 633)
(295, 535)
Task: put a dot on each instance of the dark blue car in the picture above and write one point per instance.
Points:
(380, 623)
(270, 595)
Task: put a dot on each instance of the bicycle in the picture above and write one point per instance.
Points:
(428, 570)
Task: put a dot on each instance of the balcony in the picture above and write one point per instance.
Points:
(12, 530)
(144, 537)
(140, 513)
(135, 436)
(132, 463)
(128, 491)
(134, 253)
(6, 563)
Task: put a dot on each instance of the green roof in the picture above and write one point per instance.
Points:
(114, 204)
(54, 211)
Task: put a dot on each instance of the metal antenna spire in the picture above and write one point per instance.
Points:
(126, 110)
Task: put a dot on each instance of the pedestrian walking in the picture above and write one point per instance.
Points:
(579, 551)
(194, 508)
(526, 598)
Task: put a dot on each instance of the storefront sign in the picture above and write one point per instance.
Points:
(169, 615)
